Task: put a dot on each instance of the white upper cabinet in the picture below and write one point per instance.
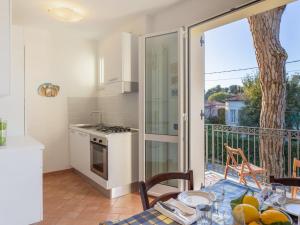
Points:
(5, 15)
(118, 63)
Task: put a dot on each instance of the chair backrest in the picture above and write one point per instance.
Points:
(296, 165)
(146, 186)
(286, 181)
(234, 153)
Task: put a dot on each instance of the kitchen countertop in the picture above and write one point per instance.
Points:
(93, 131)
(22, 143)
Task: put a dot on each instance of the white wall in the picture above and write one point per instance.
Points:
(69, 62)
(233, 105)
(12, 106)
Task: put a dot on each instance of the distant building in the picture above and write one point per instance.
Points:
(233, 106)
(212, 108)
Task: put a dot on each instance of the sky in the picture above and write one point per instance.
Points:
(230, 47)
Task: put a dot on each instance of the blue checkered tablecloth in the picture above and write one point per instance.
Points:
(152, 217)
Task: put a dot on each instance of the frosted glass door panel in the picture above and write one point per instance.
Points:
(161, 157)
(161, 84)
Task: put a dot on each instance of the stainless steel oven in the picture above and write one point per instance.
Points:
(99, 156)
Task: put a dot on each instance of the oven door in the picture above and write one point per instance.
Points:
(99, 160)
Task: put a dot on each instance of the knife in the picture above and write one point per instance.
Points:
(165, 206)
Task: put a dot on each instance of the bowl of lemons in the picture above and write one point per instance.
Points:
(246, 210)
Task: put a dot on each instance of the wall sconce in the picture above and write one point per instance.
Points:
(48, 90)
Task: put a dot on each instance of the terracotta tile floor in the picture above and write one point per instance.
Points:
(69, 200)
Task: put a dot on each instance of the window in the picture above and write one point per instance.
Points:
(232, 115)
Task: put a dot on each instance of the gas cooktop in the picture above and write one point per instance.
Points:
(113, 129)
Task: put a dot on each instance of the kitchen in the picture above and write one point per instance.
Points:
(71, 96)
(45, 58)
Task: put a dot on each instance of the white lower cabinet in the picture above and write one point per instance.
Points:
(80, 151)
(21, 185)
(122, 160)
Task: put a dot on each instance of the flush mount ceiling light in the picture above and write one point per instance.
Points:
(66, 14)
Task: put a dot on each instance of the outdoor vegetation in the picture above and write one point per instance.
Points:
(251, 91)
(271, 100)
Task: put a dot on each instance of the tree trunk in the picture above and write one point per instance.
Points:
(271, 58)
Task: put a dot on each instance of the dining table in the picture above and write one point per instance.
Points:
(232, 190)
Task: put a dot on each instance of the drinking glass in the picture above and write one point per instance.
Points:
(3, 128)
(238, 217)
(280, 191)
(204, 214)
(219, 200)
(225, 215)
(267, 193)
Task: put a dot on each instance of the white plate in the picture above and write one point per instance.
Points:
(292, 207)
(194, 198)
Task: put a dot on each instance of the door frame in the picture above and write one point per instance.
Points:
(181, 138)
(244, 11)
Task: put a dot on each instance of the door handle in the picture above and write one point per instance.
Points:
(202, 114)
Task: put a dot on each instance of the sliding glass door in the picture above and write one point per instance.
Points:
(162, 100)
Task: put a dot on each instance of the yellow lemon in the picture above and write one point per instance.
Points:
(273, 216)
(251, 201)
(254, 223)
(245, 212)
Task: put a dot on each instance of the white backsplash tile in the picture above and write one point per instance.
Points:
(79, 110)
(119, 110)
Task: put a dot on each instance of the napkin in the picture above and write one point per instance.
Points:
(178, 216)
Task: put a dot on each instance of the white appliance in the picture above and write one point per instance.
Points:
(99, 156)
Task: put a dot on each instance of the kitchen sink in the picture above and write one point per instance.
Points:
(86, 126)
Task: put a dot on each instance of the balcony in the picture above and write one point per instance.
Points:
(246, 138)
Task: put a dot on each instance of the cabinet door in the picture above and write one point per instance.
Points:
(21, 202)
(4, 47)
(112, 61)
(73, 148)
(80, 151)
(83, 150)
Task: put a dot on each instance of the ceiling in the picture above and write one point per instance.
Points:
(100, 15)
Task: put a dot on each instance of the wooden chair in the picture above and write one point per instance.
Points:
(145, 186)
(286, 181)
(244, 168)
(296, 165)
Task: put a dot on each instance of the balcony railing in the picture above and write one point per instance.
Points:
(247, 138)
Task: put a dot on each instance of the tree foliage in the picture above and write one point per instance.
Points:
(220, 119)
(231, 90)
(219, 97)
(249, 115)
(292, 118)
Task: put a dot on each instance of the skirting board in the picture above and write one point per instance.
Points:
(112, 193)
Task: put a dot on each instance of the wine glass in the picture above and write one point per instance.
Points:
(204, 214)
